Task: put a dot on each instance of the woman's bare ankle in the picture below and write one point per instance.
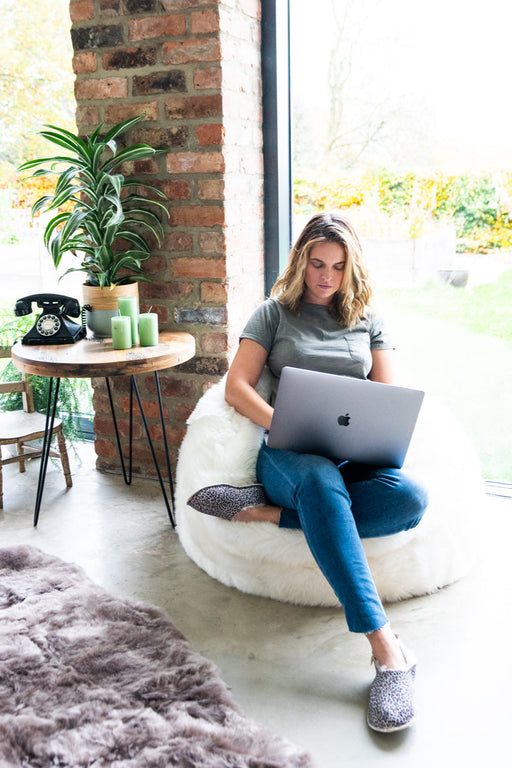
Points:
(259, 514)
(386, 648)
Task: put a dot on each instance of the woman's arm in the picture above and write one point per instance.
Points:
(244, 374)
(383, 367)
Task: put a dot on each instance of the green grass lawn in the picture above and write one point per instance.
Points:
(485, 309)
(457, 344)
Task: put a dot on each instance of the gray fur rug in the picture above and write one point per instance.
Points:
(88, 679)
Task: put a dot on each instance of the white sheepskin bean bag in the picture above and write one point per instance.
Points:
(221, 446)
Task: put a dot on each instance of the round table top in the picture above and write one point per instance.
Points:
(97, 357)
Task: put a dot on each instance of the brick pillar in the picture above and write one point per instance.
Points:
(193, 68)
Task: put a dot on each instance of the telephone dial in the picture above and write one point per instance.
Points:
(53, 326)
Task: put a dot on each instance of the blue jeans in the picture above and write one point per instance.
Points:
(336, 508)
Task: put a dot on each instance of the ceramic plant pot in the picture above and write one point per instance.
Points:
(103, 303)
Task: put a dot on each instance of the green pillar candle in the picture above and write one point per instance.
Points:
(129, 308)
(121, 332)
(148, 329)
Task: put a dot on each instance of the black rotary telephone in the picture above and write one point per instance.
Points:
(53, 325)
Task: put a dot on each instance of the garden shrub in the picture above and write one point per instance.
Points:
(478, 205)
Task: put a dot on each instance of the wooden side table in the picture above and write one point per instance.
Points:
(97, 358)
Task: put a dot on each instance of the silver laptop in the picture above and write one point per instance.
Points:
(344, 418)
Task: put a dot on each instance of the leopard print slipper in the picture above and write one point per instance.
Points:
(391, 706)
(225, 501)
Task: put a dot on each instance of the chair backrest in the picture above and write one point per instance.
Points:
(22, 385)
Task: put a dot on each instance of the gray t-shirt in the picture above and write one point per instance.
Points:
(314, 340)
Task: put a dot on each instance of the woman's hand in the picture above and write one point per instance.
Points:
(243, 375)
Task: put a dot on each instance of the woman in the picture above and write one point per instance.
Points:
(319, 317)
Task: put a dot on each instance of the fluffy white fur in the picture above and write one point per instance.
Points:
(221, 447)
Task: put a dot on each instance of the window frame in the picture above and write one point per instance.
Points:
(277, 163)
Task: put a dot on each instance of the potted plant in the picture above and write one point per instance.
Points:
(102, 217)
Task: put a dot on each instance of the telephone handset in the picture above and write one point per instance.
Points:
(53, 326)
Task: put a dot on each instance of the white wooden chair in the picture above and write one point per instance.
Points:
(21, 427)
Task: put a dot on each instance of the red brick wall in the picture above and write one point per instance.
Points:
(193, 68)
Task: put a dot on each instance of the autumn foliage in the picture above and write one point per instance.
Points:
(384, 202)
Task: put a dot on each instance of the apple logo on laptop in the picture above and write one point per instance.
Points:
(344, 421)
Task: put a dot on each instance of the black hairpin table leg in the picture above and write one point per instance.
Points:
(127, 477)
(169, 502)
(51, 408)
(167, 459)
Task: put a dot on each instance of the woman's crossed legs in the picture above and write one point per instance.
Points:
(335, 509)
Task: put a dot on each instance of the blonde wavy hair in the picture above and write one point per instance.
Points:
(355, 292)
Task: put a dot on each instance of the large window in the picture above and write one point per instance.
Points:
(398, 116)
(36, 87)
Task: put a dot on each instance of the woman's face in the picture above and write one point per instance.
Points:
(324, 272)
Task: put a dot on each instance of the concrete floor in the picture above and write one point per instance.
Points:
(295, 669)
